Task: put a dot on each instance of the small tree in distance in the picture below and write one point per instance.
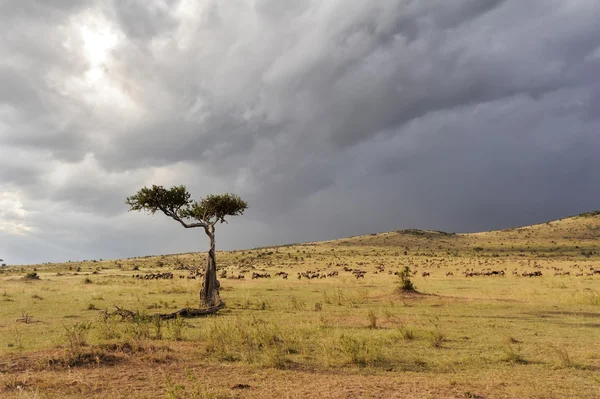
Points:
(406, 285)
(206, 213)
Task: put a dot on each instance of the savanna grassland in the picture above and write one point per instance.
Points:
(478, 327)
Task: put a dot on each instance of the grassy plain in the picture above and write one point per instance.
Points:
(485, 336)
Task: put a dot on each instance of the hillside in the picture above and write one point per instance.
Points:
(578, 235)
(571, 239)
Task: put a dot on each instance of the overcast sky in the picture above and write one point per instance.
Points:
(331, 118)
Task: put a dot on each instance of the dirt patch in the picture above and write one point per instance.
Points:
(92, 358)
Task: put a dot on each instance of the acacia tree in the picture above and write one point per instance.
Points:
(206, 213)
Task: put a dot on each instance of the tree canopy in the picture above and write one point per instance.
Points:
(176, 203)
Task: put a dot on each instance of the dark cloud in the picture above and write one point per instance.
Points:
(330, 118)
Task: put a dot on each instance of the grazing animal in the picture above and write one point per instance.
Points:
(260, 275)
(359, 273)
(155, 276)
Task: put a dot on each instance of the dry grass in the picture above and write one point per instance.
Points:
(333, 337)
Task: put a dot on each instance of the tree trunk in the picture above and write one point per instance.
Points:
(209, 294)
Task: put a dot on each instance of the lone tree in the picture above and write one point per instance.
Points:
(206, 213)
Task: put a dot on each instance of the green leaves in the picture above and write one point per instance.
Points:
(175, 203)
(159, 198)
(215, 208)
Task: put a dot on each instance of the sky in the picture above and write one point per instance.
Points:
(330, 118)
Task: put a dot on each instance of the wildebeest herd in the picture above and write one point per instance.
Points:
(154, 276)
(195, 272)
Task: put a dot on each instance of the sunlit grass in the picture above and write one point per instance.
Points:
(510, 326)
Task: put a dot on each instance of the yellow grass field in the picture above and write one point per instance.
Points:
(477, 327)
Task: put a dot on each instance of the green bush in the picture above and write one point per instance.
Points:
(175, 328)
(31, 276)
(406, 284)
(76, 336)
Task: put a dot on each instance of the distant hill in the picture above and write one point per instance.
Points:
(577, 234)
(573, 237)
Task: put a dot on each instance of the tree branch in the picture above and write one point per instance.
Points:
(188, 225)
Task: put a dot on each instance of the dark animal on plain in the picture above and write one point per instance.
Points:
(536, 273)
(359, 273)
(155, 276)
(284, 275)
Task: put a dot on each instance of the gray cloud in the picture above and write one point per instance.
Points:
(140, 19)
(330, 118)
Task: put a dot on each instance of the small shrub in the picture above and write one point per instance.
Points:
(297, 304)
(591, 298)
(406, 285)
(25, 317)
(157, 323)
(31, 276)
(139, 327)
(17, 340)
(436, 338)
(356, 349)
(562, 355)
(323, 321)
(339, 296)
(275, 357)
(175, 328)
(326, 298)
(513, 354)
(76, 336)
(372, 319)
(253, 340)
(407, 334)
(108, 328)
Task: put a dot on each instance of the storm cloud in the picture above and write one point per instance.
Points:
(331, 118)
